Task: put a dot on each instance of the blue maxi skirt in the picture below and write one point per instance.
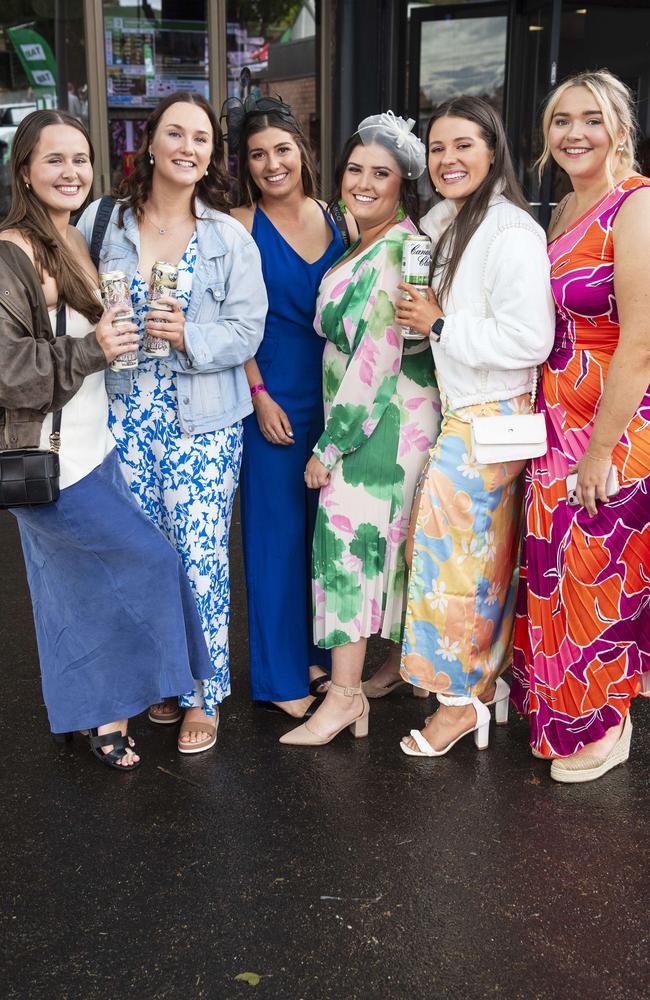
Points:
(116, 622)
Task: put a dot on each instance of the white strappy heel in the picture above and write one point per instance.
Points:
(481, 729)
(501, 702)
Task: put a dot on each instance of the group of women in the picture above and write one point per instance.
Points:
(364, 508)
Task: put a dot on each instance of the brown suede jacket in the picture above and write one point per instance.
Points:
(38, 372)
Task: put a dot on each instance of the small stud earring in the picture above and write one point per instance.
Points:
(619, 149)
(206, 174)
(151, 159)
(28, 185)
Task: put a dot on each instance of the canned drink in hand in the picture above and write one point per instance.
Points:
(416, 261)
(164, 279)
(114, 288)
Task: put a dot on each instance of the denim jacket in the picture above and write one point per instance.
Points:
(224, 322)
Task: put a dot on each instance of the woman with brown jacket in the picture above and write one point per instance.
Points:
(116, 624)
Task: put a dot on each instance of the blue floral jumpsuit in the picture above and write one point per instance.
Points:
(185, 483)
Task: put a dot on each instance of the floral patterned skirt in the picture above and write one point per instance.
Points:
(465, 533)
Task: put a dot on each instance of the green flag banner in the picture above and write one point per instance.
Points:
(35, 57)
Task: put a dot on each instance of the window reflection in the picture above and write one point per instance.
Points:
(42, 65)
(151, 49)
(273, 54)
(463, 56)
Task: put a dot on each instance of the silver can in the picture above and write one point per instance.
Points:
(164, 279)
(114, 288)
(416, 261)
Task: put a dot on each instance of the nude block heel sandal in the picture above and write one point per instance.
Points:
(303, 736)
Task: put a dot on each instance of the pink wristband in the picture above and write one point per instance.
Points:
(255, 389)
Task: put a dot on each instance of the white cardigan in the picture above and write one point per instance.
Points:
(499, 314)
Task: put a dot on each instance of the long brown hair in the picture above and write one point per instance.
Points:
(408, 192)
(254, 123)
(501, 179)
(31, 218)
(213, 190)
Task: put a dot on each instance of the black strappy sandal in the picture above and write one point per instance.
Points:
(121, 744)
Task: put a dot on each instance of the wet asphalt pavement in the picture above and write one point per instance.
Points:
(349, 871)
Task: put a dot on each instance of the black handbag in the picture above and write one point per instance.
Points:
(31, 475)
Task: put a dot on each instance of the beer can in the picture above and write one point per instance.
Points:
(114, 288)
(416, 261)
(164, 278)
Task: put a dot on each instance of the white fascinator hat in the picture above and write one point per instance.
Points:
(396, 135)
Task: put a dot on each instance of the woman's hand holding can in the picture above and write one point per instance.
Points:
(167, 322)
(419, 310)
(116, 340)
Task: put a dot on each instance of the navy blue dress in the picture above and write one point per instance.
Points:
(278, 511)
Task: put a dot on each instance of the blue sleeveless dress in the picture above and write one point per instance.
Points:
(278, 511)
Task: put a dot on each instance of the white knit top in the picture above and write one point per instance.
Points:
(85, 437)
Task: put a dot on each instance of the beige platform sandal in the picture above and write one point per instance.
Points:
(161, 717)
(198, 727)
(303, 736)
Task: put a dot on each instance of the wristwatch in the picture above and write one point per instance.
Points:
(436, 330)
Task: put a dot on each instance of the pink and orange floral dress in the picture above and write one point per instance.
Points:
(582, 636)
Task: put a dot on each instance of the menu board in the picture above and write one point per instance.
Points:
(145, 62)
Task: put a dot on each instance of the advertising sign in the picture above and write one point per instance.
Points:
(35, 57)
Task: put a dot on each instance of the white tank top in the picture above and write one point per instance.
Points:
(85, 437)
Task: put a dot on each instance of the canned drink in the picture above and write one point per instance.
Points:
(164, 279)
(114, 288)
(416, 261)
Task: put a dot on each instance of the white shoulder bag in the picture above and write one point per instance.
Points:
(509, 438)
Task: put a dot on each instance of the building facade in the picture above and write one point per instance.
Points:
(334, 61)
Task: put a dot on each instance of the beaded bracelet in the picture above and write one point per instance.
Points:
(255, 389)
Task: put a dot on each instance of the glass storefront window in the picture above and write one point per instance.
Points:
(42, 65)
(455, 50)
(463, 55)
(151, 50)
(597, 34)
(271, 51)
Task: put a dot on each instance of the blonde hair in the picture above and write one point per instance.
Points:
(617, 107)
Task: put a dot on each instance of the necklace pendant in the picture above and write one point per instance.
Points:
(162, 231)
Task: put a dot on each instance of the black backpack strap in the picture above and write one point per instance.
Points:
(100, 225)
(339, 221)
(55, 434)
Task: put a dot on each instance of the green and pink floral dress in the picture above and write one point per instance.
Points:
(382, 413)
